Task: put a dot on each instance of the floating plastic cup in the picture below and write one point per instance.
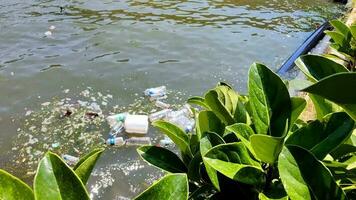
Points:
(136, 124)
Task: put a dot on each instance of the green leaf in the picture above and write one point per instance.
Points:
(176, 134)
(270, 101)
(194, 167)
(291, 176)
(329, 88)
(323, 106)
(337, 37)
(201, 193)
(209, 122)
(86, 164)
(55, 180)
(321, 141)
(242, 132)
(298, 105)
(233, 161)
(341, 27)
(162, 158)
(208, 141)
(266, 148)
(353, 31)
(317, 67)
(305, 177)
(171, 186)
(12, 188)
(213, 101)
(198, 101)
(261, 196)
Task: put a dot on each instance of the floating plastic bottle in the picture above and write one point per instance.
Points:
(116, 129)
(114, 119)
(136, 124)
(70, 160)
(161, 104)
(117, 141)
(159, 115)
(138, 141)
(184, 111)
(157, 91)
(157, 98)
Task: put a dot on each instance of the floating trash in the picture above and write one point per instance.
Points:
(48, 33)
(70, 160)
(136, 124)
(161, 104)
(117, 141)
(138, 141)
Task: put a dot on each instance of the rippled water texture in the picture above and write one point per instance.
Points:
(105, 53)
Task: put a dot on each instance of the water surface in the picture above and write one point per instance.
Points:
(119, 48)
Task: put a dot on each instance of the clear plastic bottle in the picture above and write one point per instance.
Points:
(161, 104)
(70, 160)
(157, 91)
(117, 129)
(117, 141)
(113, 119)
(138, 141)
(159, 115)
(158, 97)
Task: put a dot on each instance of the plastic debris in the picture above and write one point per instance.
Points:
(157, 98)
(161, 104)
(55, 145)
(166, 142)
(157, 91)
(117, 141)
(114, 119)
(159, 115)
(136, 124)
(48, 33)
(133, 141)
(70, 160)
(51, 28)
(117, 129)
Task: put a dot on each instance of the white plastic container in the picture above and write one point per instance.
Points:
(138, 141)
(136, 124)
(117, 141)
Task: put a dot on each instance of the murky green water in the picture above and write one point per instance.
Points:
(119, 48)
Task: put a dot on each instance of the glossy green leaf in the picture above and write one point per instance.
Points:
(291, 176)
(242, 132)
(323, 106)
(194, 167)
(215, 104)
(162, 158)
(337, 37)
(266, 148)
(55, 180)
(201, 193)
(321, 141)
(317, 67)
(234, 161)
(12, 188)
(208, 141)
(305, 177)
(171, 186)
(270, 101)
(209, 122)
(86, 164)
(298, 106)
(176, 134)
(341, 27)
(353, 31)
(330, 88)
(198, 101)
(261, 196)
